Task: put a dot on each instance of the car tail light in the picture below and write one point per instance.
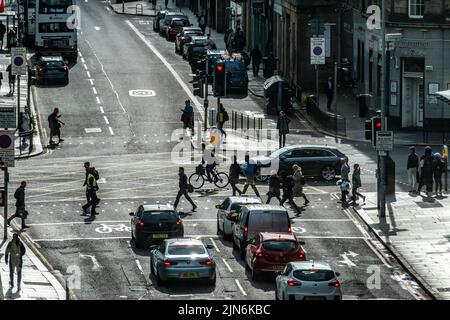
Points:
(301, 254)
(179, 223)
(245, 233)
(168, 263)
(259, 253)
(66, 68)
(294, 283)
(335, 283)
(289, 229)
(140, 224)
(40, 69)
(208, 262)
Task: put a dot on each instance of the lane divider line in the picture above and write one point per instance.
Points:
(95, 90)
(214, 244)
(227, 265)
(240, 287)
(98, 100)
(88, 74)
(101, 109)
(111, 131)
(106, 119)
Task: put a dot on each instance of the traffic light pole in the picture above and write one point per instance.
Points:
(206, 102)
(384, 100)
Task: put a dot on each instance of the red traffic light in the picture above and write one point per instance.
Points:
(378, 124)
(219, 68)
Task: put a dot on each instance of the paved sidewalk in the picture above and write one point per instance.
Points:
(139, 8)
(417, 231)
(38, 283)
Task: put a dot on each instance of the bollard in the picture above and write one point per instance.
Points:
(123, 6)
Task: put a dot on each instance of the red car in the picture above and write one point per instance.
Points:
(270, 252)
(175, 27)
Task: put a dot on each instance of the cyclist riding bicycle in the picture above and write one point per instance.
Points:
(211, 163)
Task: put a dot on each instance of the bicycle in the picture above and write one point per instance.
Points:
(197, 179)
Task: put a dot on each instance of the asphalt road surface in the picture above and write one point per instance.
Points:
(129, 136)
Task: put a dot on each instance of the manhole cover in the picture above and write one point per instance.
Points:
(425, 205)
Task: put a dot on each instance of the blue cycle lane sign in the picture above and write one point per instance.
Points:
(317, 50)
(18, 61)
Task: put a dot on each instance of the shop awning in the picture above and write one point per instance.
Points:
(444, 96)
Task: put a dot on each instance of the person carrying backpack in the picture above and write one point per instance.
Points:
(222, 117)
(250, 169)
(288, 194)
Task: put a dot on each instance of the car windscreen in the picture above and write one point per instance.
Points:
(180, 23)
(184, 250)
(278, 152)
(279, 245)
(159, 216)
(314, 275)
(198, 49)
(275, 221)
(169, 18)
(237, 205)
(53, 64)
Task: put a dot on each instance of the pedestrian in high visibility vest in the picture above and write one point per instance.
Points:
(92, 189)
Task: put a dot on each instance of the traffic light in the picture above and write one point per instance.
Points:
(219, 85)
(368, 129)
(376, 126)
(198, 85)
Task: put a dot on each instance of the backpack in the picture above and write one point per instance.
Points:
(225, 116)
(289, 182)
(16, 196)
(96, 175)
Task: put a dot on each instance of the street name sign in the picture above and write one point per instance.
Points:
(317, 50)
(8, 117)
(7, 148)
(385, 141)
(18, 61)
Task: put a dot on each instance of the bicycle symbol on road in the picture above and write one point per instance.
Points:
(104, 228)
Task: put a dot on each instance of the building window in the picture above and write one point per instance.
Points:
(416, 8)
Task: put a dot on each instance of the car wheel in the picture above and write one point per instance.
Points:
(235, 247)
(212, 281)
(242, 251)
(255, 275)
(152, 269)
(159, 281)
(66, 81)
(247, 267)
(138, 244)
(218, 229)
(276, 295)
(282, 296)
(328, 173)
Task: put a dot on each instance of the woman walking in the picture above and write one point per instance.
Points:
(55, 124)
(283, 128)
(299, 181)
(438, 170)
(356, 183)
(235, 170)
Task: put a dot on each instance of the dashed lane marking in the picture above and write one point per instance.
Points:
(111, 131)
(214, 244)
(85, 66)
(98, 100)
(83, 61)
(101, 109)
(227, 265)
(106, 119)
(92, 130)
(88, 74)
(91, 81)
(240, 287)
(110, 238)
(94, 90)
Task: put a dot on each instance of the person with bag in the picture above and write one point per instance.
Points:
(19, 195)
(187, 117)
(412, 167)
(183, 189)
(222, 117)
(274, 187)
(92, 188)
(288, 193)
(345, 187)
(234, 173)
(250, 169)
(356, 183)
(13, 257)
(438, 170)
(55, 124)
(283, 128)
(299, 181)
(426, 171)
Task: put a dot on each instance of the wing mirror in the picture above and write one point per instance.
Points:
(218, 206)
(132, 214)
(337, 274)
(209, 246)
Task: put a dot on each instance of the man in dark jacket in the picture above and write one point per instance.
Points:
(234, 173)
(283, 128)
(20, 205)
(412, 166)
(256, 57)
(2, 34)
(330, 91)
(426, 171)
(274, 187)
(288, 193)
(92, 188)
(183, 189)
(13, 257)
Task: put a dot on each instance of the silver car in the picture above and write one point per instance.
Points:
(229, 207)
(308, 280)
(182, 259)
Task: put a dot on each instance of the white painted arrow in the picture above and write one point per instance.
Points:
(352, 254)
(93, 259)
(346, 261)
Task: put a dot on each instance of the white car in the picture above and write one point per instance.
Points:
(308, 280)
(231, 206)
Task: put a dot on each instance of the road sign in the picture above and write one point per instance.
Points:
(18, 61)
(317, 50)
(385, 140)
(8, 117)
(7, 148)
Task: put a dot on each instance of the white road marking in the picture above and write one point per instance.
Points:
(214, 244)
(330, 237)
(111, 131)
(110, 238)
(95, 90)
(83, 61)
(88, 74)
(107, 77)
(101, 109)
(227, 265)
(91, 81)
(330, 220)
(142, 93)
(240, 287)
(106, 119)
(97, 28)
(85, 66)
(169, 67)
(76, 222)
(98, 100)
(92, 130)
(95, 263)
(79, 53)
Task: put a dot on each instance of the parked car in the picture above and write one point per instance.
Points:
(211, 56)
(195, 40)
(228, 208)
(182, 259)
(315, 161)
(308, 280)
(159, 16)
(270, 252)
(52, 68)
(152, 223)
(257, 218)
(185, 36)
(196, 51)
(237, 77)
(165, 23)
(175, 27)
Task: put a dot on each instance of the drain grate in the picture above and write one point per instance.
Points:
(426, 205)
(443, 289)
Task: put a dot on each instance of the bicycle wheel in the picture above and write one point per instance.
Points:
(196, 180)
(222, 180)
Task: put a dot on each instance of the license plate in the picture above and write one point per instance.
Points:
(278, 268)
(188, 275)
(160, 236)
(313, 298)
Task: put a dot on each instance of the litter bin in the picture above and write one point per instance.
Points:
(269, 66)
(277, 94)
(390, 175)
(364, 102)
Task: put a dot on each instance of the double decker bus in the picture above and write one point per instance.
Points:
(55, 32)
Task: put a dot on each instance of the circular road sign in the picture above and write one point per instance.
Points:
(18, 61)
(317, 50)
(5, 141)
